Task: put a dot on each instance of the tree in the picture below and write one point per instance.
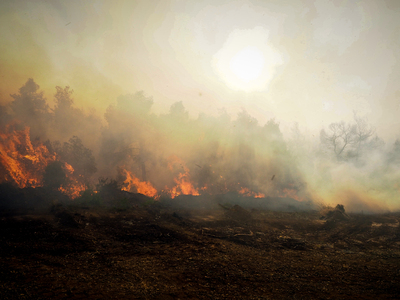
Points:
(63, 98)
(54, 175)
(178, 112)
(78, 156)
(341, 136)
(363, 132)
(393, 156)
(347, 140)
(30, 107)
(129, 127)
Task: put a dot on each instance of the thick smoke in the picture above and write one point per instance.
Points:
(349, 164)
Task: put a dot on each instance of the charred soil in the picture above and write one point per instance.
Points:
(157, 252)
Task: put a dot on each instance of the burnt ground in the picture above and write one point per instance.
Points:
(157, 252)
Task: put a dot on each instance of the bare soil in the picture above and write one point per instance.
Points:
(156, 252)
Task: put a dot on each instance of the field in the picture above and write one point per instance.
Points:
(162, 251)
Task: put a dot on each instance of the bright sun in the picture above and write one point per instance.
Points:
(248, 64)
(247, 61)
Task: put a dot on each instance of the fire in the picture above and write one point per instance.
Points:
(24, 162)
(291, 193)
(183, 184)
(142, 187)
(246, 192)
(73, 188)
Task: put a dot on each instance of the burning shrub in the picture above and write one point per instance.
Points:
(78, 156)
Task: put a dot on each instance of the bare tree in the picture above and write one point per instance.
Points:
(347, 139)
(363, 132)
(340, 137)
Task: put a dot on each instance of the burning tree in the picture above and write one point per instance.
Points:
(168, 154)
(22, 161)
(129, 127)
(78, 156)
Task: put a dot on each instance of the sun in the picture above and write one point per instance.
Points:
(248, 64)
(247, 61)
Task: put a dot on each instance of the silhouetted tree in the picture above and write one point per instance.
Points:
(347, 140)
(129, 127)
(178, 111)
(340, 137)
(54, 175)
(30, 107)
(78, 156)
(363, 132)
(393, 157)
(5, 117)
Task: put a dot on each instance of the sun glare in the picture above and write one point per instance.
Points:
(247, 61)
(248, 64)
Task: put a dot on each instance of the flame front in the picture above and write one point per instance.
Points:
(73, 188)
(24, 162)
(184, 186)
(248, 193)
(290, 193)
(143, 187)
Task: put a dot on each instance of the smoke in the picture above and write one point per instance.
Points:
(205, 155)
(355, 167)
(174, 154)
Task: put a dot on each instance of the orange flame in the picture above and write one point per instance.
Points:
(183, 183)
(24, 162)
(143, 187)
(73, 188)
(246, 192)
(183, 186)
(290, 193)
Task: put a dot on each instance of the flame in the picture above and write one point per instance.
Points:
(246, 192)
(183, 184)
(290, 193)
(73, 188)
(24, 162)
(143, 187)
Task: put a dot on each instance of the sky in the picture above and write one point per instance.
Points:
(306, 62)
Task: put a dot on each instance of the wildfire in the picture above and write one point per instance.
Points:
(291, 193)
(183, 184)
(24, 162)
(246, 192)
(143, 187)
(73, 188)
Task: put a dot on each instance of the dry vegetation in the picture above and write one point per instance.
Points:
(155, 251)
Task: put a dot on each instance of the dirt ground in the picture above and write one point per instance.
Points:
(156, 252)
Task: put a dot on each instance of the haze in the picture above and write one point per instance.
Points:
(304, 64)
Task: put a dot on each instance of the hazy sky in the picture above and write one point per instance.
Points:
(311, 62)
